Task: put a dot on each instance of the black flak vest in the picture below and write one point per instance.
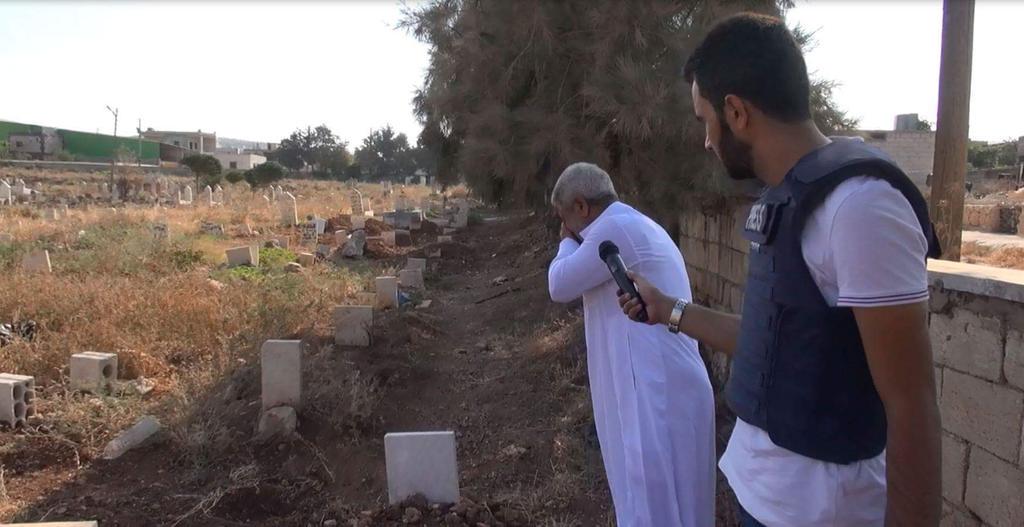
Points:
(799, 371)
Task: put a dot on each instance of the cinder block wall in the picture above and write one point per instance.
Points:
(977, 330)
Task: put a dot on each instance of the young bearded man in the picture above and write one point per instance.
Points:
(831, 379)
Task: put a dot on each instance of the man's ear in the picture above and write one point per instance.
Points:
(737, 114)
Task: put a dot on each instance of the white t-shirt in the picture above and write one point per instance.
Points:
(864, 248)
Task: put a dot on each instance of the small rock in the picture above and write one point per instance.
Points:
(293, 267)
(277, 422)
(330, 523)
(215, 285)
(499, 280)
(412, 515)
(131, 438)
(424, 304)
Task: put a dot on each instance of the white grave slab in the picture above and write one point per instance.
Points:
(281, 373)
(248, 255)
(422, 463)
(289, 209)
(353, 325)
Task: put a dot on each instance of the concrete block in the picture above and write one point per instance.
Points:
(133, 437)
(968, 342)
(358, 222)
(281, 373)
(954, 468)
(307, 259)
(416, 263)
(422, 463)
(411, 278)
(444, 239)
(983, 413)
(387, 292)
(389, 238)
(36, 262)
(93, 372)
(1013, 364)
(994, 490)
(247, 255)
(353, 325)
(17, 398)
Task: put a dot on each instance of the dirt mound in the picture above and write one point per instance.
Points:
(374, 227)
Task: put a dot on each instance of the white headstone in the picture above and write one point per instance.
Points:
(321, 225)
(281, 373)
(289, 209)
(422, 463)
(5, 192)
(356, 198)
(207, 198)
(188, 194)
(387, 291)
(248, 255)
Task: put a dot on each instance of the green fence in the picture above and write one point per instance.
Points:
(85, 146)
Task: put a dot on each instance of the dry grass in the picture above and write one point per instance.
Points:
(1010, 257)
(114, 288)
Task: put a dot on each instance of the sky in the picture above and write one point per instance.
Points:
(259, 70)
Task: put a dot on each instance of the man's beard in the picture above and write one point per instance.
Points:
(736, 156)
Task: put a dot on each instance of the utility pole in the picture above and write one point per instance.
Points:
(951, 125)
(139, 130)
(113, 153)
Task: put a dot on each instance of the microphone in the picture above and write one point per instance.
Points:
(609, 253)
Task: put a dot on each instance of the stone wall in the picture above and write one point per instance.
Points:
(977, 330)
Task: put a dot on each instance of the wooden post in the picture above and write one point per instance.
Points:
(951, 125)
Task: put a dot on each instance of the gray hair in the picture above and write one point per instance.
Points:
(584, 180)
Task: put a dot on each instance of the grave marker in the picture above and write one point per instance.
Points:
(247, 255)
(307, 259)
(36, 262)
(307, 231)
(389, 238)
(5, 193)
(411, 278)
(422, 463)
(352, 325)
(387, 291)
(340, 237)
(289, 209)
(281, 373)
(356, 198)
(93, 372)
(358, 222)
(416, 263)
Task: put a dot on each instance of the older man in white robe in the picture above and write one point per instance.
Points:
(653, 402)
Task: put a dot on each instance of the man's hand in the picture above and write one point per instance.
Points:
(564, 233)
(658, 305)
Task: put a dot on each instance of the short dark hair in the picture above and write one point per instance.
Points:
(754, 57)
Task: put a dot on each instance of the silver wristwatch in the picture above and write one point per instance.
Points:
(677, 315)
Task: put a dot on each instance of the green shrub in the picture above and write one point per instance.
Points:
(276, 257)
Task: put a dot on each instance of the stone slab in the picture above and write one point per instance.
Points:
(954, 468)
(358, 222)
(36, 262)
(307, 259)
(387, 291)
(416, 263)
(1007, 284)
(281, 373)
(353, 325)
(422, 463)
(411, 278)
(243, 256)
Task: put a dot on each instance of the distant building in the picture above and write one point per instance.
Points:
(237, 160)
(911, 148)
(907, 122)
(198, 142)
(38, 142)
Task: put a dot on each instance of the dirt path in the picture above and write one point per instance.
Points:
(491, 358)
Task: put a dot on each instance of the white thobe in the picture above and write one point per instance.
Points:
(653, 402)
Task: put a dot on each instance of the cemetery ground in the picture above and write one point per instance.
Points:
(490, 357)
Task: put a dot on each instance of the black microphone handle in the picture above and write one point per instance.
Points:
(618, 270)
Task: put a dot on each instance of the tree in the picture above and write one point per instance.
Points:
(516, 91)
(924, 125)
(317, 148)
(264, 174)
(204, 167)
(234, 176)
(385, 155)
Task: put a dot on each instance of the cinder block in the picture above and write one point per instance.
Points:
(416, 263)
(93, 372)
(17, 399)
(983, 413)
(307, 259)
(353, 325)
(968, 342)
(422, 463)
(281, 373)
(1013, 364)
(387, 291)
(243, 256)
(954, 468)
(36, 262)
(994, 490)
(412, 278)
